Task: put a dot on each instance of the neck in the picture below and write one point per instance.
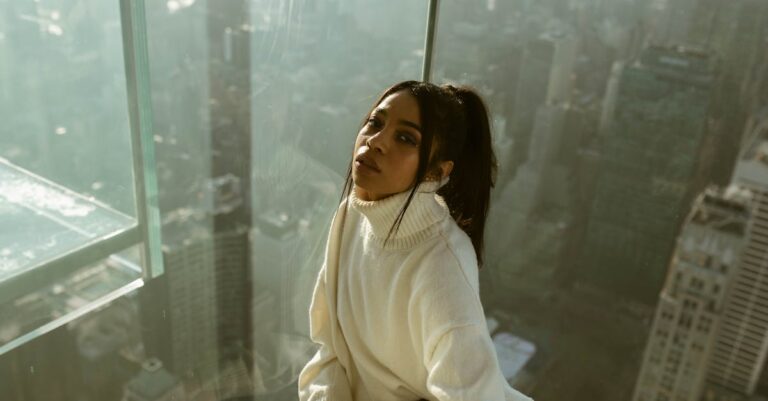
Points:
(419, 222)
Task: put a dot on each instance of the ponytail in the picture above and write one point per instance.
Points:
(456, 120)
(474, 172)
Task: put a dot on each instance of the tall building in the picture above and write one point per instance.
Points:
(232, 257)
(545, 173)
(650, 162)
(192, 311)
(178, 309)
(196, 313)
(739, 35)
(530, 240)
(229, 77)
(544, 78)
(194, 303)
(692, 301)
(742, 346)
(732, 29)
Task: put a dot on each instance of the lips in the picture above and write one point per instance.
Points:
(367, 161)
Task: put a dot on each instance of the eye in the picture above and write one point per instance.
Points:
(374, 122)
(408, 139)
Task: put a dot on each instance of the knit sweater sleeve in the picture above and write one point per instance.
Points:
(323, 377)
(463, 366)
(459, 356)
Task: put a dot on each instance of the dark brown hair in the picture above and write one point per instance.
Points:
(455, 120)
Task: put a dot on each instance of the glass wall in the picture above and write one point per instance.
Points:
(255, 108)
(626, 245)
(69, 230)
(611, 119)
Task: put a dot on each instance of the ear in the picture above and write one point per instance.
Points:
(445, 170)
(446, 167)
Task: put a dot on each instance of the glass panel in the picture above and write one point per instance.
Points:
(256, 105)
(610, 120)
(605, 258)
(45, 220)
(66, 179)
(63, 97)
(88, 288)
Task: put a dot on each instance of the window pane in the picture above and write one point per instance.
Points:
(611, 118)
(256, 105)
(67, 205)
(63, 97)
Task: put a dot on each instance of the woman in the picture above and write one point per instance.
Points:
(396, 308)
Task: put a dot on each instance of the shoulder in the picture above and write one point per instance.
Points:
(459, 245)
(345, 220)
(445, 284)
(450, 255)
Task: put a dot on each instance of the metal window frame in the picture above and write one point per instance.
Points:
(429, 41)
(147, 232)
(136, 57)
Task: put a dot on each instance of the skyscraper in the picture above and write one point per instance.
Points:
(541, 181)
(742, 345)
(650, 162)
(530, 236)
(738, 33)
(691, 304)
(545, 78)
(192, 311)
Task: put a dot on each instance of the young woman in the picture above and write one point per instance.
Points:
(396, 307)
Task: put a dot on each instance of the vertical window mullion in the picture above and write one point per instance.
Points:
(429, 40)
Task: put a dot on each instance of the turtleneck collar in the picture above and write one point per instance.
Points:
(419, 222)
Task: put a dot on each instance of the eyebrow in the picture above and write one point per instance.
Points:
(401, 121)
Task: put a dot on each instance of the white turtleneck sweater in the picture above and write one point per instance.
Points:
(402, 322)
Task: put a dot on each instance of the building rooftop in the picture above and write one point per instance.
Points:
(680, 63)
(752, 166)
(725, 210)
(152, 382)
(757, 146)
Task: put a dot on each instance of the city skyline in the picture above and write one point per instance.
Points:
(610, 118)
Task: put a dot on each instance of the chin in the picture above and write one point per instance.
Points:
(362, 182)
(361, 185)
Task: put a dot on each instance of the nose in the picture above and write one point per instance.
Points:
(369, 142)
(377, 141)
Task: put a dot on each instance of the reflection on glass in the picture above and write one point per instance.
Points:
(45, 308)
(66, 188)
(43, 221)
(255, 106)
(315, 70)
(63, 98)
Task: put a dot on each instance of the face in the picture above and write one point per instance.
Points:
(387, 148)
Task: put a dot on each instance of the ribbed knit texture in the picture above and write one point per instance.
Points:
(425, 210)
(401, 322)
